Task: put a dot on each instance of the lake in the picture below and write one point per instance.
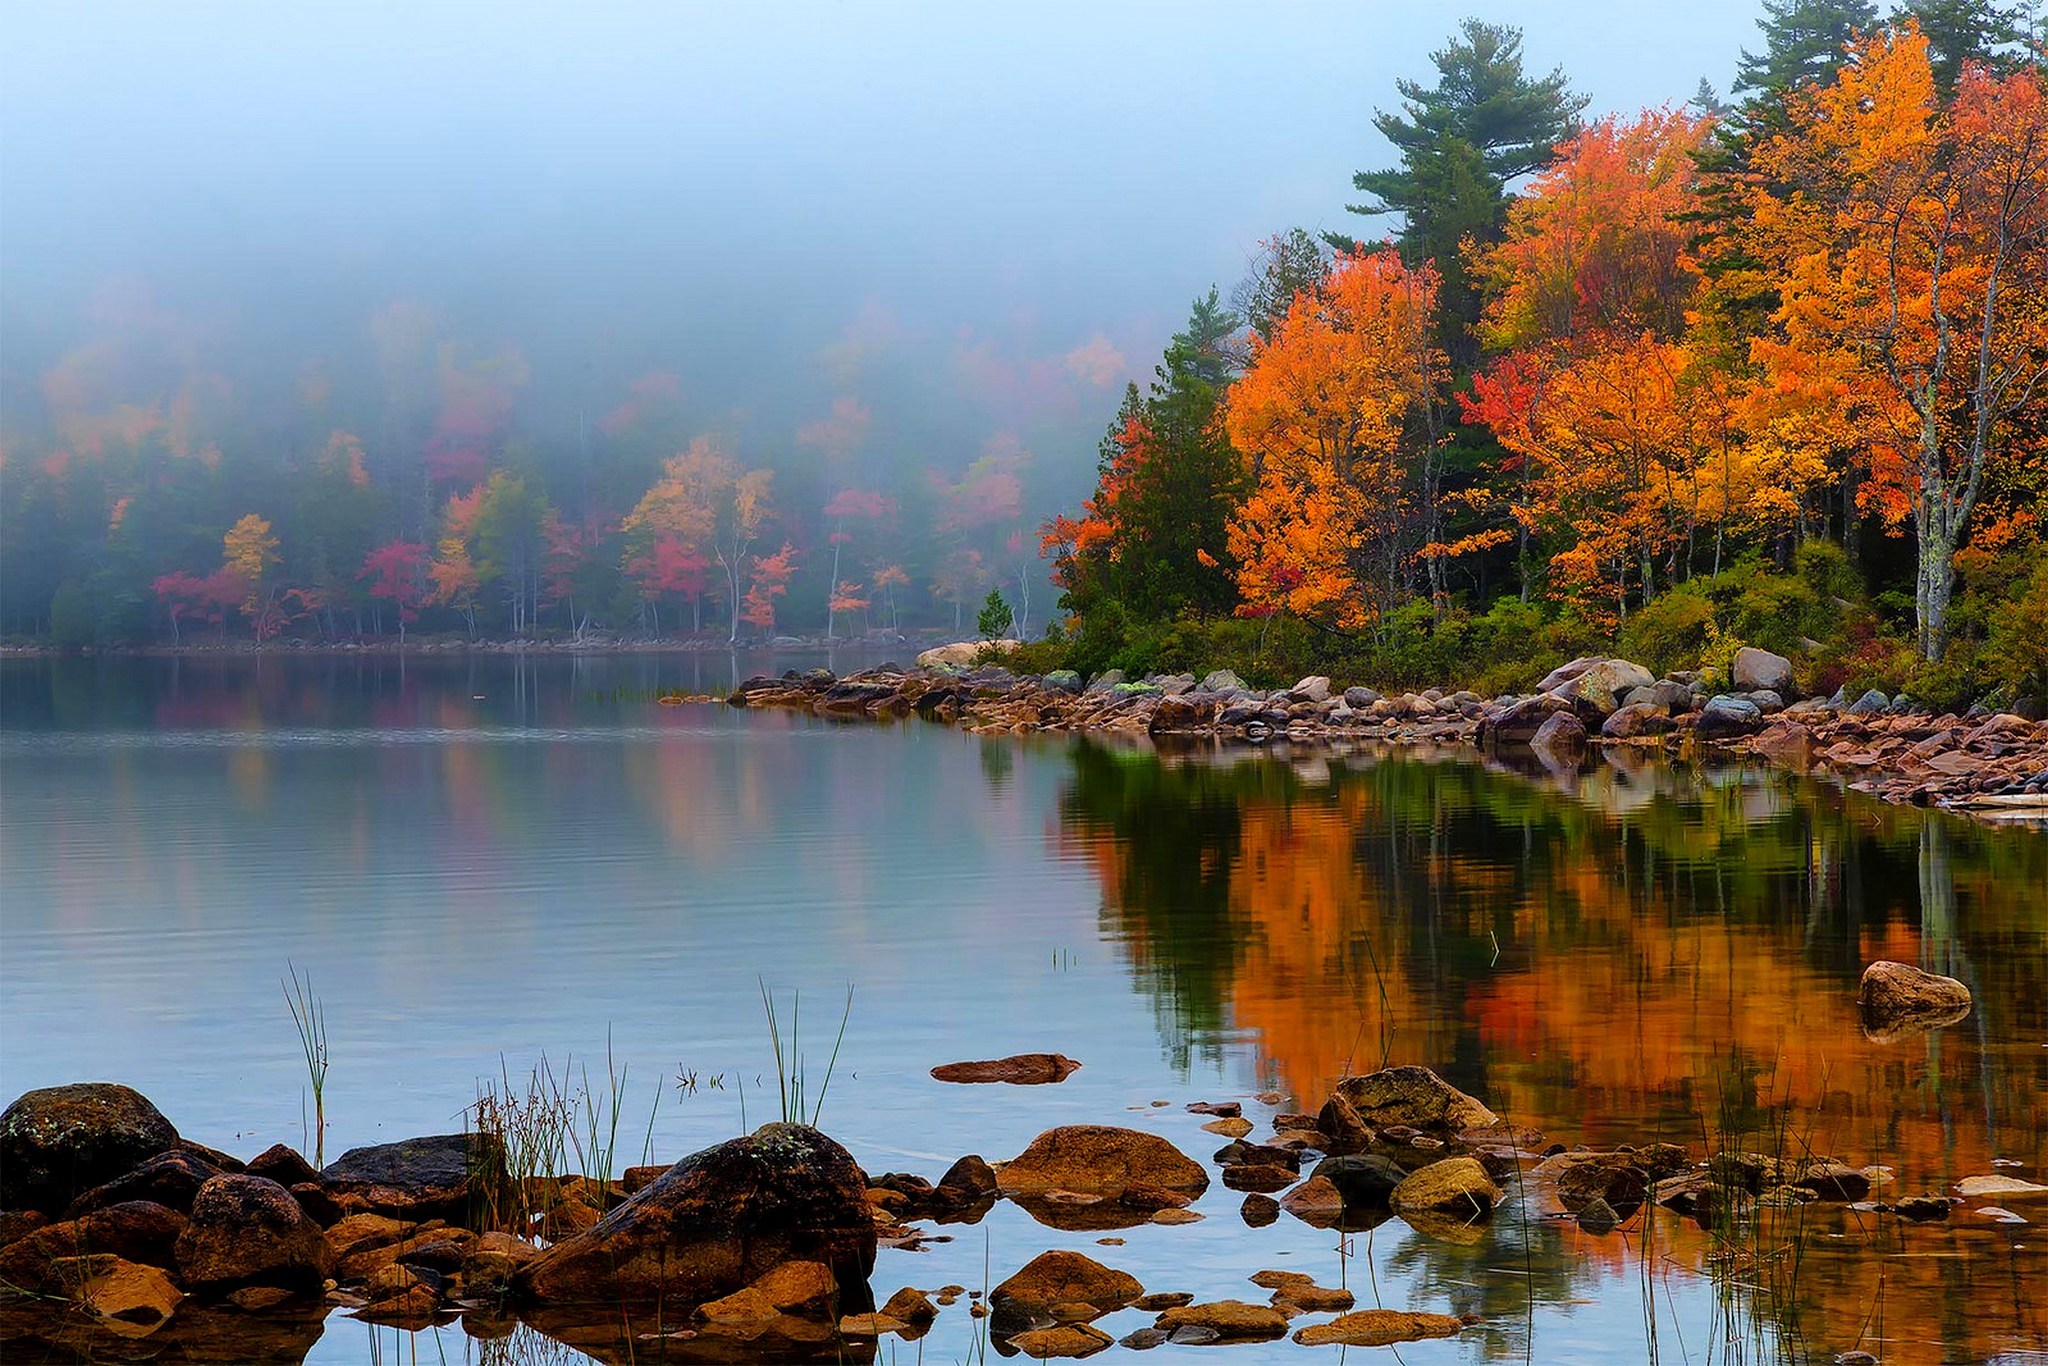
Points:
(483, 860)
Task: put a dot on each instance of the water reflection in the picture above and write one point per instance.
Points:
(1637, 954)
(484, 858)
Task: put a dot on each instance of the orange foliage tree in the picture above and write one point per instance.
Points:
(1319, 415)
(1911, 243)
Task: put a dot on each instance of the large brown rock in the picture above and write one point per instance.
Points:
(1021, 1069)
(61, 1141)
(1378, 1328)
(248, 1230)
(1896, 997)
(171, 1179)
(717, 1221)
(1414, 1096)
(1230, 1320)
(1061, 1277)
(135, 1231)
(1636, 720)
(1099, 1159)
(1457, 1186)
(433, 1177)
(1756, 669)
(131, 1299)
(1560, 742)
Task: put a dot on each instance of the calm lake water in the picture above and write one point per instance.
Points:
(481, 861)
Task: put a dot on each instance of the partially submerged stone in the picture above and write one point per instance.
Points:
(1378, 1328)
(1413, 1096)
(435, 1176)
(1456, 1186)
(1021, 1069)
(1897, 997)
(1230, 1320)
(1062, 1277)
(717, 1221)
(1099, 1159)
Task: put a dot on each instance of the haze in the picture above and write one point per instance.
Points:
(978, 224)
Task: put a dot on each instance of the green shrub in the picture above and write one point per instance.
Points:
(2015, 651)
(1676, 631)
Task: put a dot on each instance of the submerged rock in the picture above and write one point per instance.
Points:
(1378, 1328)
(60, 1141)
(717, 1221)
(1021, 1069)
(1099, 1159)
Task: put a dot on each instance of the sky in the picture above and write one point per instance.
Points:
(996, 211)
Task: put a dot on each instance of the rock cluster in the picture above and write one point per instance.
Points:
(1985, 762)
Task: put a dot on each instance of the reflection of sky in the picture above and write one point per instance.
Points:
(473, 882)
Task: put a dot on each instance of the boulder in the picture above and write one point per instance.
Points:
(1566, 672)
(1064, 1278)
(1368, 1180)
(136, 1231)
(1786, 743)
(1230, 1320)
(1314, 688)
(1063, 680)
(1560, 742)
(1059, 1341)
(1898, 996)
(717, 1221)
(1635, 720)
(1414, 1096)
(1602, 685)
(1726, 717)
(61, 1141)
(1358, 699)
(961, 654)
(1517, 722)
(1343, 1128)
(1183, 714)
(1223, 681)
(1021, 1069)
(968, 1179)
(171, 1179)
(248, 1230)
(1458, 1186)
(1378, 1328)
(433, 1177)
(1760, 669)
(1099, 1159)
(1870, 704)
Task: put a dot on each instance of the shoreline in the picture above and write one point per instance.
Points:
(1990, 766)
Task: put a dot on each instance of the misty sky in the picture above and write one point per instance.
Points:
(776, 201)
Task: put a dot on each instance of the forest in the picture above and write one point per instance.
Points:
(1764, 369)
(1767, 372)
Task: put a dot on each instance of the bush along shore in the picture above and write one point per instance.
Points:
(123, 1240)
(1986, 762)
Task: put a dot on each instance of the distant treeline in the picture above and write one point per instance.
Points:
(1772, 372)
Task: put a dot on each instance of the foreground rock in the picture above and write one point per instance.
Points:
(249, 1231)
(61, 1141)
(1898, 996)
(1378, 1328)
(1099, 1159)
(1065, 1278)
(1229, 1320)
(717, 1221)
(434, 1177)
(1457, 1186)
(1021, 1069)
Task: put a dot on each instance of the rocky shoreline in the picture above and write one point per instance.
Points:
(122, 1240)
(1989, 764)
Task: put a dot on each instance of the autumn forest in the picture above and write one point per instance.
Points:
(1757, 369)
